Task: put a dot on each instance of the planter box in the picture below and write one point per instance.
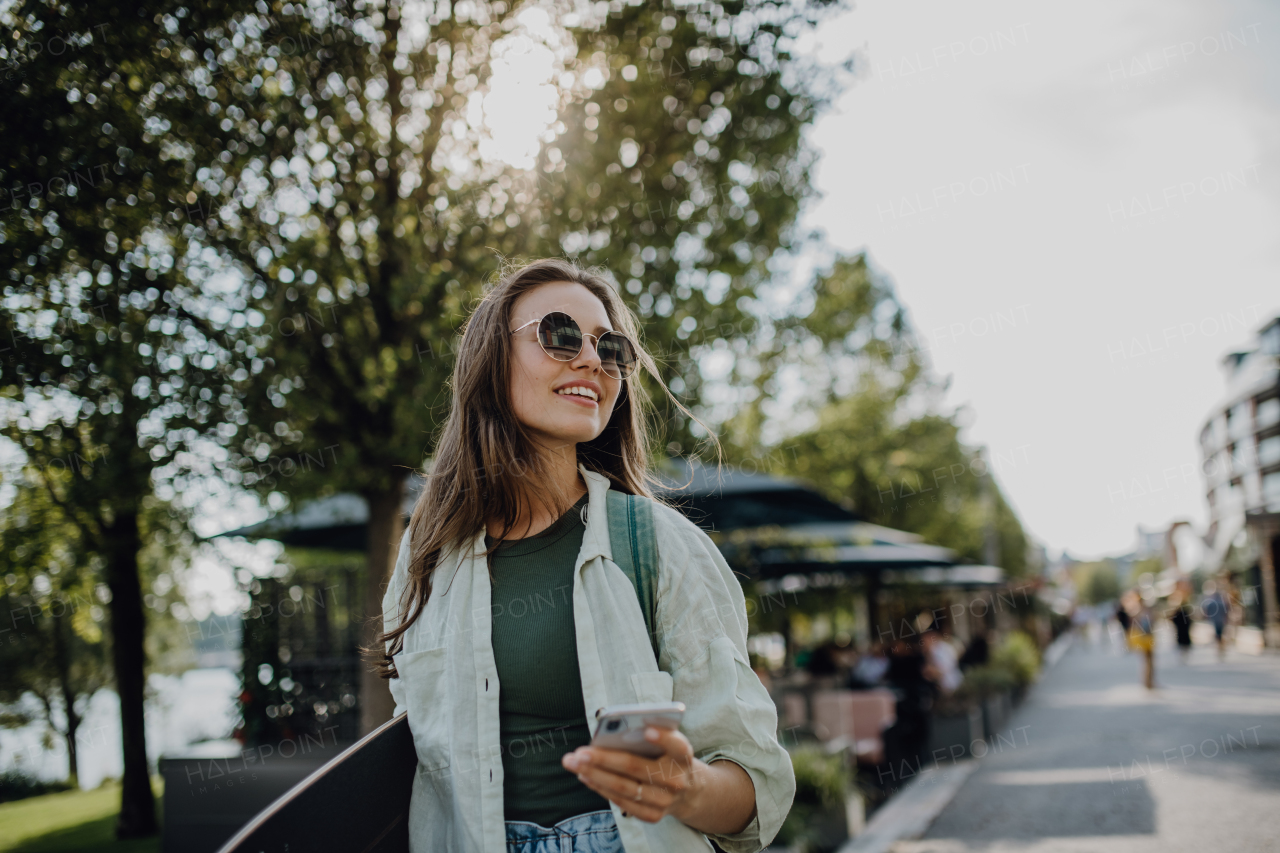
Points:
(996, 711)
(951, 737)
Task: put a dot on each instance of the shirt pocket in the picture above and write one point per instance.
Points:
(652, 686)
(427, 704)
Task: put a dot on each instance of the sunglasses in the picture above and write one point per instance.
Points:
(562, 339)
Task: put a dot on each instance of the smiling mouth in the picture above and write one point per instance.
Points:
(579, 394)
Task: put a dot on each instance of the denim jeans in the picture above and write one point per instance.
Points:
(593, 832)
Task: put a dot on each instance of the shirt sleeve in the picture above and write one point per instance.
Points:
(729, 715)
(391, 614)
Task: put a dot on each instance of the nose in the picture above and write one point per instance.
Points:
(590, 358)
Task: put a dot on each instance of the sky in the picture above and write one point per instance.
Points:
(1079, 206)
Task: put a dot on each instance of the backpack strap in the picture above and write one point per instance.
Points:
(635, 551)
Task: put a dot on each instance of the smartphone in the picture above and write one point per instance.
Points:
(622, 726)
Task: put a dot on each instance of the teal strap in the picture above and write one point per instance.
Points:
(635, 551)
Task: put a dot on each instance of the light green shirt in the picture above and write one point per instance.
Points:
(448, 682)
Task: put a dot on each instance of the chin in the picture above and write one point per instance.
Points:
(575, 434)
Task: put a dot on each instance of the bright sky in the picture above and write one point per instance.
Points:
(1078, 205)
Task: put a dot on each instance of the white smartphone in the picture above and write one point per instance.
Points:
(622, 726)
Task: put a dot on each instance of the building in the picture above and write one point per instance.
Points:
(1240, 445)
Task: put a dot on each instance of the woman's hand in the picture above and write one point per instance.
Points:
(710, 798)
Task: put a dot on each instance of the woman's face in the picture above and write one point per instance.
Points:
(540, 384)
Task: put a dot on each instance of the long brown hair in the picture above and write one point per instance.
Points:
(484, 452)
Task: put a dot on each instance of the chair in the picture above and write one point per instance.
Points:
(357, 803)
(857, 717)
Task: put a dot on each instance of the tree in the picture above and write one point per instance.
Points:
(114, 357)
(1097, 582)
(52, 645)
(845, 365)
(364, 202)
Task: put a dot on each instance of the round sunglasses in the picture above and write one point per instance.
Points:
(562, 339)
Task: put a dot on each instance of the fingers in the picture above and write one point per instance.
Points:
(664, 771)
(673, 743)
(652, 805)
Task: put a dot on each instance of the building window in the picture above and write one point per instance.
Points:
(1268, 412)
(1270, 339)
(1271, 489)
(1269, 451)
(1239, 422)
(1240, 457)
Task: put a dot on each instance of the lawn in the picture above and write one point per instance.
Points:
(68, 821)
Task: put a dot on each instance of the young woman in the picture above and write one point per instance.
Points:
(508, 625)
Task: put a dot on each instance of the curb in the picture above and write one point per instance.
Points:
(912, 810)
(1058, 648)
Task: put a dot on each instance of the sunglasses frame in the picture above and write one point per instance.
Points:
(595, 344)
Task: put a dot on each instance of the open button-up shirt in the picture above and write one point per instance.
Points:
(448, 682)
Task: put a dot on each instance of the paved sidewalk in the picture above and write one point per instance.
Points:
(1098, 763)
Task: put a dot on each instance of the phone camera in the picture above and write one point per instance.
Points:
(613, 725)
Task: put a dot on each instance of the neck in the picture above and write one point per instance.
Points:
(562, 482)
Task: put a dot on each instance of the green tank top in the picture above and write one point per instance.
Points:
(535, 649)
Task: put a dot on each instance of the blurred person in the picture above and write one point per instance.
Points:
(545, 419)
(1122, 616)
(870, 668)
(1142, 635)
(822, 661)
(1180, 616)
(1216, 606)
(977, 653)
(908, 738)
(942, 662)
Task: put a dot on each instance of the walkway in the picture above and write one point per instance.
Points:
(1099, 764)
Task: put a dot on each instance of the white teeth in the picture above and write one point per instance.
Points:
(580, 391)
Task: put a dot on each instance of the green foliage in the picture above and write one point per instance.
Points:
(53, 648)
(878, 444)
(17, 785)
(1019, 656)
(981, 682)
(347, 184)
(822, 782)
(1097, 582)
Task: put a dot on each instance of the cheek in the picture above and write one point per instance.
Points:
(529, 382)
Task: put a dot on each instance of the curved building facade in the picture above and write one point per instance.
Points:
(1240, 446)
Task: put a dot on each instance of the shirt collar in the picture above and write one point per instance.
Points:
(595, 541)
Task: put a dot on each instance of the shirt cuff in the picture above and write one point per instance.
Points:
(748, 840)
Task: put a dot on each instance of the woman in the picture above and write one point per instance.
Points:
(1180, 616)
(1142, 635)
(508, 625)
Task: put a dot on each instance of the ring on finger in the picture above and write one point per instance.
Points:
(639, 789)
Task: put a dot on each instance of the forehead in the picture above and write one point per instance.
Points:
(570, 297)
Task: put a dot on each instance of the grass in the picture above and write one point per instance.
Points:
(69, 821)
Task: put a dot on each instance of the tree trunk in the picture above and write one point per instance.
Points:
(386, 526)
(128, 629)
(62, 663)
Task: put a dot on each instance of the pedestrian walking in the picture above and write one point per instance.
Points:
(1180, 616)
(1122, 616)
(509, 619)
(1216, 606)
(1142, 635)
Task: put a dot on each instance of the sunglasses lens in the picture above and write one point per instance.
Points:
(617, 355)
(560, 337)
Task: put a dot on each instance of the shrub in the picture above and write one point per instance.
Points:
(822, 782)
(16, 785)
(1019, 656)
(981, 682)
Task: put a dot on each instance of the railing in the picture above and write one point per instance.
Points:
(359, 802)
